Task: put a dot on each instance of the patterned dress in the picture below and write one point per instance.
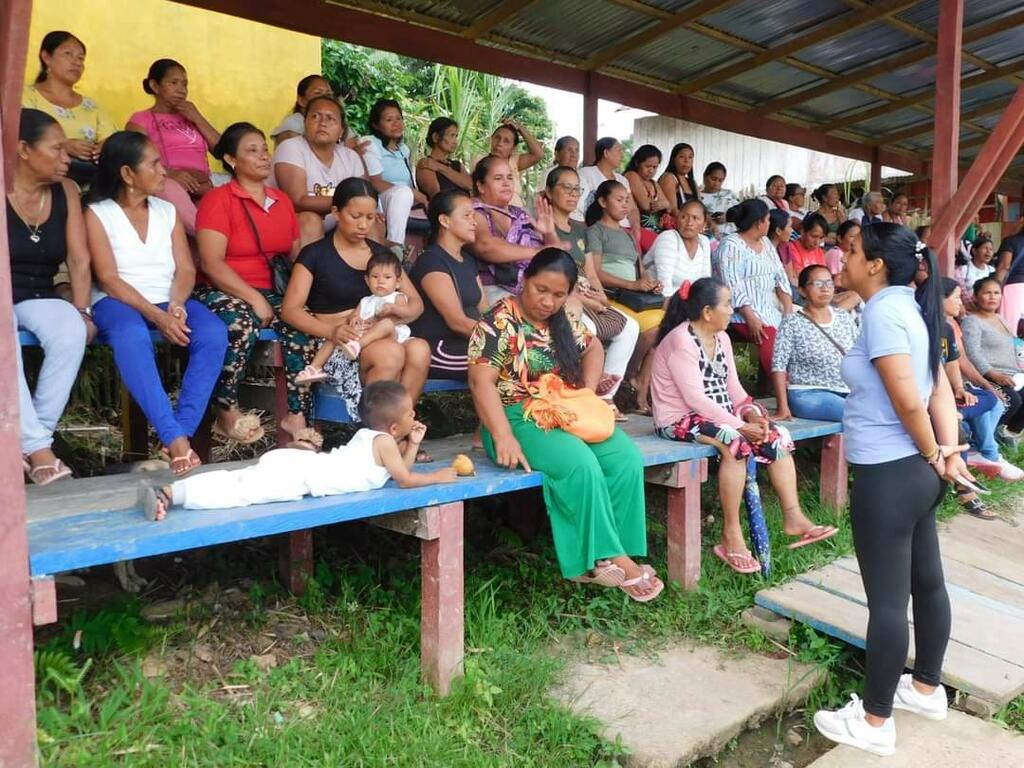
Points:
(594, 492)
(714, 374)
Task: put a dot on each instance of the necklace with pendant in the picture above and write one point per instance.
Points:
(33, 231)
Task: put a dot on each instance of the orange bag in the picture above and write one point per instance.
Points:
(553, 404)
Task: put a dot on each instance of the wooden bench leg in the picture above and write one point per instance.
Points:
(683, 481)
(834, 483)
(296, 560)
(134, 429)
(442, 622)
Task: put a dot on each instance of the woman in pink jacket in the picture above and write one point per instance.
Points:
(697, 397)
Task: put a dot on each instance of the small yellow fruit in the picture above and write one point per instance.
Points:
(463, 465)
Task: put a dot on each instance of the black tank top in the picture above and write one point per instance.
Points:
(447, 185)
(35, 264)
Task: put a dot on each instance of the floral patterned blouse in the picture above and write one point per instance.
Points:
(517, 349)
(88, 121)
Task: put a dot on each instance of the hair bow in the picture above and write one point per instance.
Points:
(919, 250)
(684, 290)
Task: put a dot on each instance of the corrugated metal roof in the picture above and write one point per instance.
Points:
(926, 14)
(858, 48)
(574, 27)
(825, 107)
(678, 55)
(769, 22)
(764, 82)
(1003, 48)
(576, 30)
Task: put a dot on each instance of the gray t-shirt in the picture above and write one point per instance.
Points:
(890, 325)
(616, 249)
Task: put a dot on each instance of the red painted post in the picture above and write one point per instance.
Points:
(590, 136)
(875, 183)
(683, 522)
(296, 560)
(17, 679)
(834, 476)
(442, 616)
(985, 172)
(945, 160)
(44, 601)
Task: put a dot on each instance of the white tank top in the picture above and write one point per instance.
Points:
(147, 266)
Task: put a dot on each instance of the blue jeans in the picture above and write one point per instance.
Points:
(982, 420)
(127, 333)
(816, 404)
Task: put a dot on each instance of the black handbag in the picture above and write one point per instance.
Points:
(638, 301)
(280, 266)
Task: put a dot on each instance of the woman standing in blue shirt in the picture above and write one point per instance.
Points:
(901, 432)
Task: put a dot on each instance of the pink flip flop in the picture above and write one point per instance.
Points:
(814, 535)
(646, 579)
(310, 375)
(605, 574)
(735, 560)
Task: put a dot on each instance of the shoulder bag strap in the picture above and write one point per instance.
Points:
(827, 335)
(256, 235)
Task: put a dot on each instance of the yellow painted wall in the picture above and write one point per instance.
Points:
(237, 69)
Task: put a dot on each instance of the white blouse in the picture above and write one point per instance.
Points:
(673, 264)
(146, 265)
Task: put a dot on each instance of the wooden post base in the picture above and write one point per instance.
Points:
(683, 481)
(296, 560)
(442, 619)
(834, 475)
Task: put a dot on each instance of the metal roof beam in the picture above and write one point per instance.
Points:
(806, 39)
(912, 56)
(927, 127)
(910, 101)
(653, 31)
(501, 13)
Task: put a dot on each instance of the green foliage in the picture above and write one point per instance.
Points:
(116, 629)
(476, 101)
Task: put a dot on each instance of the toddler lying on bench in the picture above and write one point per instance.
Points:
(385, 447)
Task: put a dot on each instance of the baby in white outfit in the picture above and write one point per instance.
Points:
(383, 271)
(387, 448)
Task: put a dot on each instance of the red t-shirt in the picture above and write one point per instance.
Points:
(221, 210)
(794, 253)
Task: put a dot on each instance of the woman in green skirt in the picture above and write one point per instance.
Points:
(594, 492)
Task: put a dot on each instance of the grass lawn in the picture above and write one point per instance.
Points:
(245, 675)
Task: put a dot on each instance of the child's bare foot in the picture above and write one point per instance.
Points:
(351, 349)
(155, 502)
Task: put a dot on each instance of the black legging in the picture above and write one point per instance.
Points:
(1013, 416)
(892, 508)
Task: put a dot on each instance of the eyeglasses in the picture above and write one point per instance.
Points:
(569, 189)
(822, 284)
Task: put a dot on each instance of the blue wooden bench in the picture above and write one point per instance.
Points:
(94, 521)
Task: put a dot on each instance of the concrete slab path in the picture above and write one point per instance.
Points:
(960, 741)
(686, 704)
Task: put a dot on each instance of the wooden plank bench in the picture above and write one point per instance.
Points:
(94, 521)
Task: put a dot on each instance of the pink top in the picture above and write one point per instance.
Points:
(179, 142)
(677, 387)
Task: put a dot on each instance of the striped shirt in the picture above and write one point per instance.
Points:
(752, 277)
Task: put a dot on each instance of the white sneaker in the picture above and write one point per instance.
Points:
(1009, 472)
(849, 726)
(979, 463)
(933, 706)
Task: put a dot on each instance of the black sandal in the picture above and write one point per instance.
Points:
(977, 508)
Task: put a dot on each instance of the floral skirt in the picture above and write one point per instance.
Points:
(692, 426)
(343, 376)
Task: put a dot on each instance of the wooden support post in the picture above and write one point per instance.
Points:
(296, 560)
(683, 480)
(875, 183)
(589, 138)
(945, 157)
(44, 601)
(17, 680)
(442, 618)
(134, 429)
(834, 484)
